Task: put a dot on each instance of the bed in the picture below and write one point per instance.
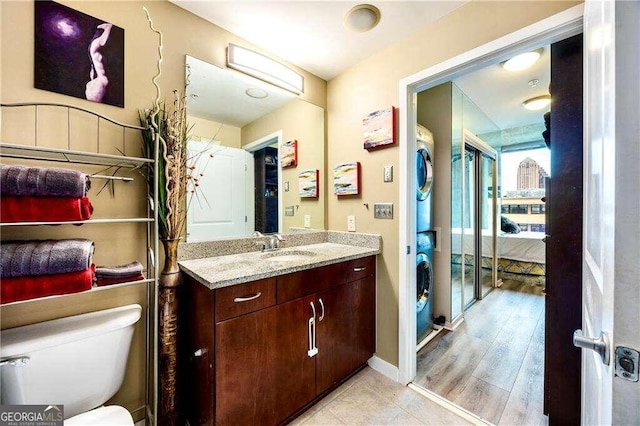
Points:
(522, 253)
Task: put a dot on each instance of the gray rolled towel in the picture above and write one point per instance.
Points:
(128, 270)
(44, 257)
(43, 182)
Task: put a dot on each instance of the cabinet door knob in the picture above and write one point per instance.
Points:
(247, 298)
(359, 268)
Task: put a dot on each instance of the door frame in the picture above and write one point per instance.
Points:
(262, 143)
(557, 27)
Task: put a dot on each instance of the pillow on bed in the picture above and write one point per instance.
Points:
(508, 226)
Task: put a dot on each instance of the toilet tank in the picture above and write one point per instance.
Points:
(77, 361)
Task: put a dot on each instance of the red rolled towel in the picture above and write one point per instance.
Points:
(44, 209)
(108, 281)
(25, 288)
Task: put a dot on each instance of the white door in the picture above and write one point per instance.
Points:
(611, 186)
(217, 208)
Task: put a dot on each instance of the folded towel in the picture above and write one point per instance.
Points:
(108, 281)
(43, 182)
(130, 269)
(44, 257)
(24, 288)
(44, 209)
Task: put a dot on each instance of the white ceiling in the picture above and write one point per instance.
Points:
(310, 34)
(500, 93)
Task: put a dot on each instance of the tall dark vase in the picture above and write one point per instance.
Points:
(168, 300)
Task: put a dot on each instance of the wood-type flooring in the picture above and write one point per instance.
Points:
(493, 363)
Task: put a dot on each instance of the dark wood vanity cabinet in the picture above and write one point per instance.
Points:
(259, 364)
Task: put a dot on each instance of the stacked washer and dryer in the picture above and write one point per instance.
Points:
(424, 231)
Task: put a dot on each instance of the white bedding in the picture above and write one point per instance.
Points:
(525, 246)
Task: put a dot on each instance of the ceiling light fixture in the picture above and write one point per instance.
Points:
(264, 68)
(522, 61)
(537, 103)
(362, 18)
(254, 92)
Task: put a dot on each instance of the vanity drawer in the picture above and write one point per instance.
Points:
(303, 283)
(241, 299)
(358, 269)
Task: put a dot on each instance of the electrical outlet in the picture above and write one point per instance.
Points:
(351, 223)
(383, 210)
(388, 173)
(288, 211)
(286, 186)
(307, 221)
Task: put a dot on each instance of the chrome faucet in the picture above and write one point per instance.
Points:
(274, 241)
(258, 234)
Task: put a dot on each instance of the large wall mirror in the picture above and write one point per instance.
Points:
(239, 126)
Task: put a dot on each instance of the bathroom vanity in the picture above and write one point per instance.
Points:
(269, 342)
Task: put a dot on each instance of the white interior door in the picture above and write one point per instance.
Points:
(599, 209)
(218, 208)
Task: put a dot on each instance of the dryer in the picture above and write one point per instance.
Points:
(424, 284)
(424, 179)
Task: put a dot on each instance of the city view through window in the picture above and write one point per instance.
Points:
(523, 175)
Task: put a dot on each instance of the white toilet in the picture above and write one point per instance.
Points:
(77, 361)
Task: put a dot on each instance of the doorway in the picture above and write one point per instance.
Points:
(531, 38)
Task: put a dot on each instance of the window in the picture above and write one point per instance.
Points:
(523, 226)
(536, 227)
(514, 209)
(537, 208)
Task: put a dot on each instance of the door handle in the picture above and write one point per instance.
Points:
(322, 314)
(313, 351)
(599, 344)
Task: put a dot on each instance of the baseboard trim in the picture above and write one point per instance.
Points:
(436, 330)
(455, 324)
(384, 368)
(450, 406)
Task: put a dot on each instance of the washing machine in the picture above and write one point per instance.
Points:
(424, 179)
(424, 284)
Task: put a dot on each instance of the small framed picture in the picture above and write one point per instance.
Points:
(380, 129)
(346, 179)
(308, 184)
(289, 154)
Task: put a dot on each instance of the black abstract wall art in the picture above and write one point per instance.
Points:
(78, 55)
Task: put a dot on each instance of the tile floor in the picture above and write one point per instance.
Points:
(369, 398)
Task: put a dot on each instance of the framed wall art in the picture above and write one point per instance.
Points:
(289, 154)
(78, 55)
(346, 179)
(380, 129)
(308, 184)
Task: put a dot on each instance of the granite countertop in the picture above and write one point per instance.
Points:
(223, 271)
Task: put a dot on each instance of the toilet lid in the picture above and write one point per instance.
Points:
(112, 415)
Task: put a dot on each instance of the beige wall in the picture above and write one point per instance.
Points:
(184, 33)
(304, 122)
(204, 130)
(373, 84)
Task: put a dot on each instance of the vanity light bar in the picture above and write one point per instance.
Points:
(257, 65)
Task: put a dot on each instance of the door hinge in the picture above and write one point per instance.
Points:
(408, 249)
(245, 219)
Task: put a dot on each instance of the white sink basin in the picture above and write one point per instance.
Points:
(288, 256)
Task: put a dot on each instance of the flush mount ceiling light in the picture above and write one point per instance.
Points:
(522, 61)
(257, 65)
(254, 92)
(362, 18)
(537, 103)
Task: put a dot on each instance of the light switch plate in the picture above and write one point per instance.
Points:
(383, 210)
(388, 173)
(286, 187)
(307, 221)
(351, 223)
